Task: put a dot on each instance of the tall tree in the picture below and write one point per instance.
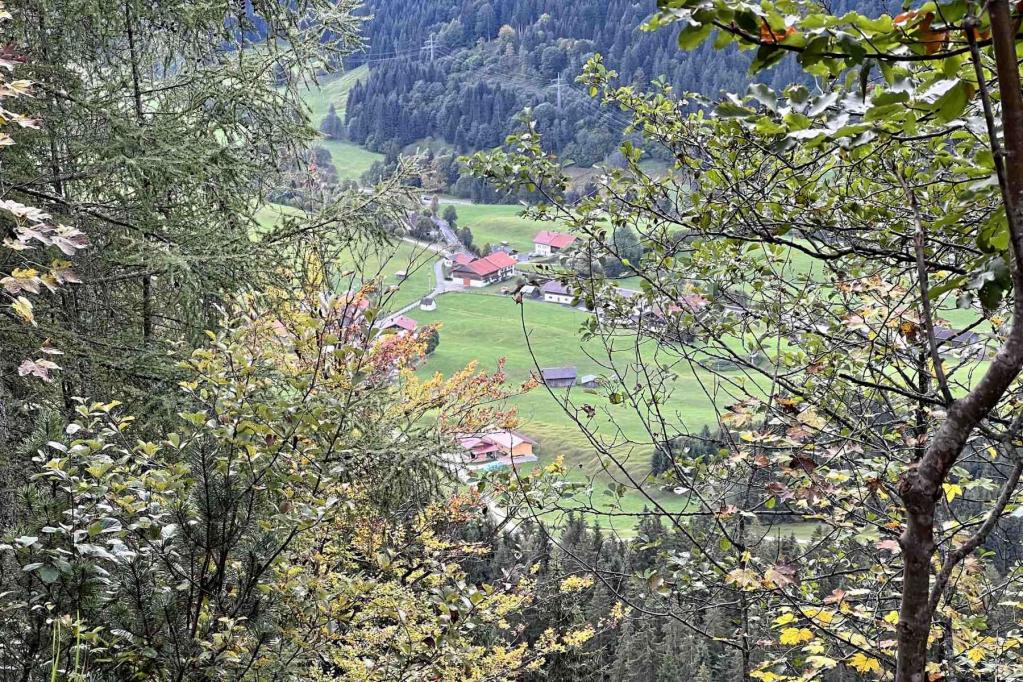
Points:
(165, 129)
(902, 183)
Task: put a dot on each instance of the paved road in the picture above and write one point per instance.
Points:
(440, 285)
(449, 234)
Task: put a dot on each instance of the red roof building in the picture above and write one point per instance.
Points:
(401, 324)
(496, 267)
(497, 448)
(545, 243)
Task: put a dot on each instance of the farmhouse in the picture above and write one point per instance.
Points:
(501, 447)
(546, 243)
(555, 292)
(496, 267)
(559, 377)
(400, 324)
(429, 303)
(589, 381)
(530, 291)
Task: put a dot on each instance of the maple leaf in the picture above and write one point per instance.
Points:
(862, 663)
(952, 490)
(889, 545)
(835, 597)
(795, 636)
(38, 368)
(781, 575)
(23, 307)
(744, 578)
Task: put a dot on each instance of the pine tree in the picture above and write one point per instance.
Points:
(332, 127)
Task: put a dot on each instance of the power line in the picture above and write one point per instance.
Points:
(431, 45)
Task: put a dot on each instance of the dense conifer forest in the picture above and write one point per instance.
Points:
(460, 72)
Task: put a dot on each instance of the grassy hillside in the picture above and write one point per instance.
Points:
(351, 160)
(369, 261)
(487, 328)
(381, 263)
(494, 223)
(319, 97)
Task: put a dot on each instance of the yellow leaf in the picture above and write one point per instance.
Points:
(23, 307)
(976, 654)
(951, 490)
(794, 636)
(784, 619)
(575, 583)
(892, 617)
(864, 664)
(821, 662)
(766, 676)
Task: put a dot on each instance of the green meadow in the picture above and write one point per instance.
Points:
(496, 223)
(334, 90)
(379, 263)
(351, 160)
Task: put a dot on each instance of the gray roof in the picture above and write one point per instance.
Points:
(555, 287)
(589, 379)
(558, 373)
(966, 338)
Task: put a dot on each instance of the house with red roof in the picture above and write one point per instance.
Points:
(496, 267)
(400, 324)
(546, 243)
(495, 448)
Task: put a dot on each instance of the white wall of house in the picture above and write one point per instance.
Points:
(558, 298)
(542, 249)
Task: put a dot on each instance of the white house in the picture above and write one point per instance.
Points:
(481, 272)
(556, 292)
(546, 243)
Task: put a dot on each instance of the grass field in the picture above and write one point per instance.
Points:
(487, 328)
(319, 97)
(380, 263)
(351, 160)
(495, 223)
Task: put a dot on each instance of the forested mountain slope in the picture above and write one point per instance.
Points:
(460, 71)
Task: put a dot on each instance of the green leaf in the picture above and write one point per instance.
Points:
(693, 35)
(952, 104)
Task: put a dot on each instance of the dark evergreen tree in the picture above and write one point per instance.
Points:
(451, 216)
(332, 127)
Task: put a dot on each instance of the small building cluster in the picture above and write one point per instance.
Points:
(496, 448)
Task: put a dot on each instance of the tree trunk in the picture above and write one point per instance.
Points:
(917, 543)
(920, 488)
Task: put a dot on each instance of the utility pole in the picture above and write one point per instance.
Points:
(431, 45)
(557, 84)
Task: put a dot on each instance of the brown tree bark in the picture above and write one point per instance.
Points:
(921, 486)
